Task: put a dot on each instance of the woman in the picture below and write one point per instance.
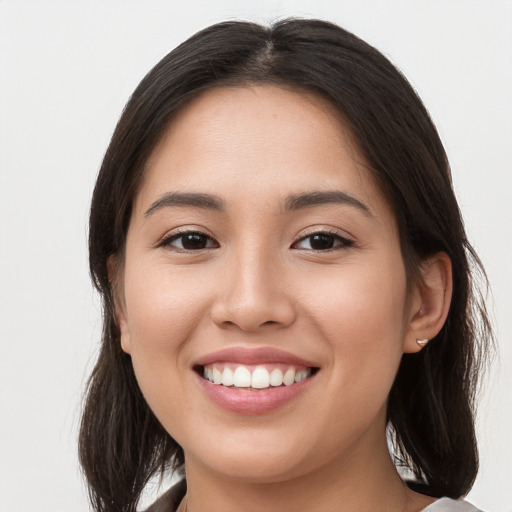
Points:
(286, 280)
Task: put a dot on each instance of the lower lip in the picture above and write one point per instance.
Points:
(243, 401)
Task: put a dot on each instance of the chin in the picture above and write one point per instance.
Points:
(264, 459)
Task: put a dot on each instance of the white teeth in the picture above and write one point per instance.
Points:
(303, 374)
(242, 377)
(260, 378)
(217, 376)
(227, 377)
(289, 377)
(276, 377)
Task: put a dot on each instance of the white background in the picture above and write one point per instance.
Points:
(66, 70)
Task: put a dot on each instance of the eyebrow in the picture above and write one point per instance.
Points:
(316, 198)
(196, 200)
(292, 202)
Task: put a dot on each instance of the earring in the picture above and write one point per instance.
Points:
(423, 342)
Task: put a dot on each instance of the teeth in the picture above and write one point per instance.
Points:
(303, 374)
(227, 377)
(289, 377)
(242, 378)
(217, 376)
(260, 378)
(276, 377)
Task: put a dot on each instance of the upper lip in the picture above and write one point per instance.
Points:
(252, 356)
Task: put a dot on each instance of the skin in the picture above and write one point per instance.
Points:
(259, 282)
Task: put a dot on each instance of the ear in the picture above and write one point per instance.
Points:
(430, 302)
(114, 276)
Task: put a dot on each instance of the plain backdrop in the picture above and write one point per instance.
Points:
(66, 70)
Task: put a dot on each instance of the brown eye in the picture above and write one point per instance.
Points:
(322, 242)
(190, 241)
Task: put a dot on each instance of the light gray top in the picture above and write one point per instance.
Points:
(449, 505)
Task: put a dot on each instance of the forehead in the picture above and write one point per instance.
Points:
(266, 139)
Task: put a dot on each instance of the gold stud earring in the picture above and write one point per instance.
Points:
(423, 342)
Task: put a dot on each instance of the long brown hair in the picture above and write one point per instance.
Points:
(431, 404)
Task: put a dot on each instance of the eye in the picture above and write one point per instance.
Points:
(189, 241)
(322, 241)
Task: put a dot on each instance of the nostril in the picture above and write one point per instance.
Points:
(226, 324)
(251, 311)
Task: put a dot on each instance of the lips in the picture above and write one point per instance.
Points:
(254, 356)
(254, 381)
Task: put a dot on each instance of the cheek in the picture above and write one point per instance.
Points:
(163, 311)
(162, 305)
(360, 313)
(359, 296)
(360, 316)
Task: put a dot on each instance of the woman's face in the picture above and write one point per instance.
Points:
(259, 251)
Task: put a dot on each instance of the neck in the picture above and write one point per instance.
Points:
(365, 480)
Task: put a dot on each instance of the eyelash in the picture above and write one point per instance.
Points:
(339, 242)
(167, 241)
(343, 242)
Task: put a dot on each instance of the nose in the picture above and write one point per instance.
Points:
(253, 294)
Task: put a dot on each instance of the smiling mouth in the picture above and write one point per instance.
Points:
(254, 377)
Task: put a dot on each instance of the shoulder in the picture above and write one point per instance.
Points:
(170, 501)
(449, 505)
